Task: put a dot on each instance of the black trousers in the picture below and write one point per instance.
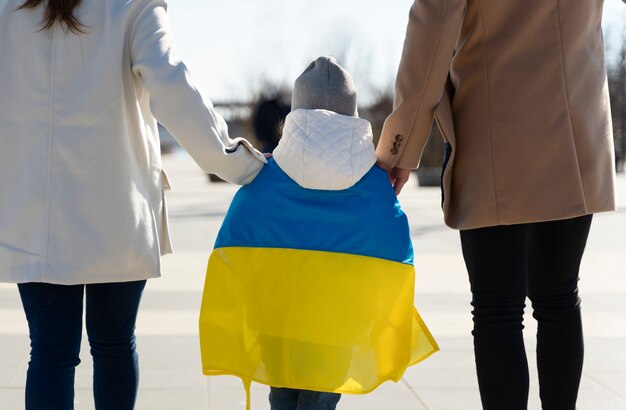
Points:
(506, 264)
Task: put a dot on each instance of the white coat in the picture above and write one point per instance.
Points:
(81, 183)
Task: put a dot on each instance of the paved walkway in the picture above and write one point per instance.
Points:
(167, 330)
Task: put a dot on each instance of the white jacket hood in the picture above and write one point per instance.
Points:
(324, 150)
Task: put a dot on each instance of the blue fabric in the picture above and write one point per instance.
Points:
(275, 212)
(294, 399)
(55, 318)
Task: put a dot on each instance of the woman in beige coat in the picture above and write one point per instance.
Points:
(518, 89)
(82, 207)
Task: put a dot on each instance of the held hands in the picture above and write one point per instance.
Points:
(397, 176)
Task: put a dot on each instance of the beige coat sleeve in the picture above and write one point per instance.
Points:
(431, 37)
(180, 106)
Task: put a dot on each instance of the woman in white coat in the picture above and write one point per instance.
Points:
(82, 207)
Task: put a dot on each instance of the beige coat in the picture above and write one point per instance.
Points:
(519, 91)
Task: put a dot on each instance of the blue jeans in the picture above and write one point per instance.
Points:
(54, 314)
(292, 399)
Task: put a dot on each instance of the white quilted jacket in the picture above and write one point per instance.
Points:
(324, 150)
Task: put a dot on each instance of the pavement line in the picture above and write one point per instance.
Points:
(414, 393)
(601, 383)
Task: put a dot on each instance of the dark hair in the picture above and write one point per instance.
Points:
(269, 119)
(61, 11)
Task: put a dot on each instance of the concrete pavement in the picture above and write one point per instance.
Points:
(171, 376)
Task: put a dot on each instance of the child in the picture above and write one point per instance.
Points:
(310, 286)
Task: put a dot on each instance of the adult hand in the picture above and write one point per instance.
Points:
(398, 177)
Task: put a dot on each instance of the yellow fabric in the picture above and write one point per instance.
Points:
(246, 387)
(310, 320)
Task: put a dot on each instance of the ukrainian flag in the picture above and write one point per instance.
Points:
(313, 289)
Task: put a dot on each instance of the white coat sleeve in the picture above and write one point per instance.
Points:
(180, 106)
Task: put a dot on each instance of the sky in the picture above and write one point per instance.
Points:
(235, 48)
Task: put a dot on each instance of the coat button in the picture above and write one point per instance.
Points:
(396, 144)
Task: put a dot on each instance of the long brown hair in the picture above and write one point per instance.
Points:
(61, 11)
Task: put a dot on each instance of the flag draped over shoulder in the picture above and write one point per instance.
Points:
(313, 289)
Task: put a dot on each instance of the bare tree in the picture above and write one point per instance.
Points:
(378, 110)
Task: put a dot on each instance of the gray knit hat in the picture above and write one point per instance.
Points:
(325, 85)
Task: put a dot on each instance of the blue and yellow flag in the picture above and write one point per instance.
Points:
(313, 289)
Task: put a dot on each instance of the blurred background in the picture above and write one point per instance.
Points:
(246, 54)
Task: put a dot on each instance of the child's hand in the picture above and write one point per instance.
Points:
(398, 177)
(384, 166)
